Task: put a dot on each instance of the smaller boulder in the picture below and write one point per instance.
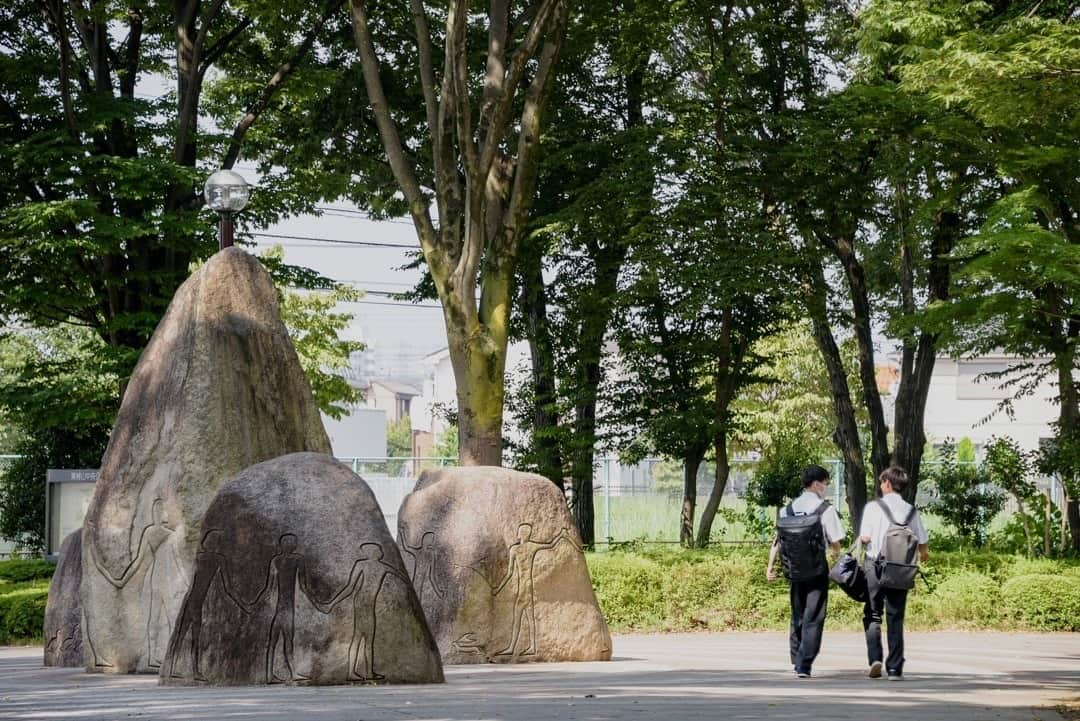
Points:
(497, 563)
(63, 609)
(297, 580)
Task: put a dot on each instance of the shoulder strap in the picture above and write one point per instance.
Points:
(821, 508)
(885, 509)
(791, 510)
(889, 515)
(910, 515)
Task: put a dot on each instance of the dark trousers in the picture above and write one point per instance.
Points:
(809, 600)
(890, 604)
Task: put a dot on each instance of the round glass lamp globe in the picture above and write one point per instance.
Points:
(226, 192)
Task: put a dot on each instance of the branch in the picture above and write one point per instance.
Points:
(284, 71)
(404, 173)
(501, 115)
(219, 48)
(131, 53)
(536, 100)
(427, 70)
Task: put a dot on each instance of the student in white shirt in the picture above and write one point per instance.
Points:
(888, 601)
(809, 599)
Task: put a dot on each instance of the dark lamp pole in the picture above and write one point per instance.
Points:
(226, 192)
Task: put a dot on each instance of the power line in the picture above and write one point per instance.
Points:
(362, 243)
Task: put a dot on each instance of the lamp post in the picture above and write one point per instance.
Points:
(227, 193)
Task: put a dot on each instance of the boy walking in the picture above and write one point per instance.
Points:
(811, 525)
(893, 533)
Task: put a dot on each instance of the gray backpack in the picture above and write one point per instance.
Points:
(896, 564)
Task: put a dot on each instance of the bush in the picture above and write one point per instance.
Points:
(31, 569)
(725, 589)
(1043, 602)
(22, 611)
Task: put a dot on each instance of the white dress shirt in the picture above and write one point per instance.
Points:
(875, 523)
(807, 503)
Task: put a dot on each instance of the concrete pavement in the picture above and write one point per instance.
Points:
(676, 677)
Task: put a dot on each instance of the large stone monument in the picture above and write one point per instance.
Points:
(218, 388)
(63, 609)
(297, 580)
(497, 564)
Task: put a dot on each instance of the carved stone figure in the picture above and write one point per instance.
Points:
(218, 388)
(499, 568)
(305, 586)
(63, 610)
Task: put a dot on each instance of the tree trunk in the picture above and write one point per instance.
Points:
(723, 470)
(844, 250)
(545, 411)
(846, 434)
(917, 366)
(692, 461)
(478, 373)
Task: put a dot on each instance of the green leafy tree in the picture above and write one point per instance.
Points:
(60, 397)
(1010, 70)
(1010, 468)
(99, 214)
(963, 496)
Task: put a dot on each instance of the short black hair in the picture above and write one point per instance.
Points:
(896, 476)
(814, 473)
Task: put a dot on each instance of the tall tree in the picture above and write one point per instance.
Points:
(1010, 68)
(595, 194)
(98, 216)
(482, 138)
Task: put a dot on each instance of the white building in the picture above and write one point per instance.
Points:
(962, 403)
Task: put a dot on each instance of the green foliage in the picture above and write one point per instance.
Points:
(446, 445)
(963, 496)
(28, 569)
(793, 404)
(777, 477)
(22, 483)
(725, 589)
(399, 438)
(1043, 602)
(22, 611)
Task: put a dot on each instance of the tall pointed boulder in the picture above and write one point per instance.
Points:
(218, 388)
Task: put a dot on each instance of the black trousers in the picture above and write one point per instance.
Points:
(887, 603)
(809, 600)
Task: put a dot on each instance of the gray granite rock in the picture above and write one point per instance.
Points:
(218, 388)
(63, 609)
(298, 580)
(497, 564)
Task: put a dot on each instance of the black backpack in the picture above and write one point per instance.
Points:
(802, 544)
(896, 564)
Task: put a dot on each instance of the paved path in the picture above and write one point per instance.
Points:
(729, 676)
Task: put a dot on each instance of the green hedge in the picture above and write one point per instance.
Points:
(725, 588)
(19, 570)
(24, 588)
(22, 611)
(1043, 601)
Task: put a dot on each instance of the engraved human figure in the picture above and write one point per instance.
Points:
(423, 575)
(210, 564)
(365, 581)
(163, 597)
(520, 570)
(286, 571)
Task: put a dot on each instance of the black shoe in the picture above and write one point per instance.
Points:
(896, 676)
